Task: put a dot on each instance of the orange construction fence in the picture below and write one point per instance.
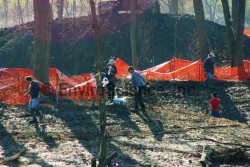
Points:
(185, 70)
(83, 87)
(247, 32)
(13, 85)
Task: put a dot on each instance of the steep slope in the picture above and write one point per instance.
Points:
(72, 47)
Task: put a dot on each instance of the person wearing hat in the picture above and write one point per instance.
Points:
(209, 70)
(139, 85)
(110, 75)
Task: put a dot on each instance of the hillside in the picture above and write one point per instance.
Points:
(171, 132)
(72, 47)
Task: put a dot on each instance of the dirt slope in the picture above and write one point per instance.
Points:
(171, 132)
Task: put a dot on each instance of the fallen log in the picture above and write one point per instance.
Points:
(205, 155)
(16, 156)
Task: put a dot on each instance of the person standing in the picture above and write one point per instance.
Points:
(209, 70)
(214, 106)
(110, 75)
(139, 85)
(34, 91)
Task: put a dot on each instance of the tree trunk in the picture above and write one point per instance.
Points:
(235, 6)
(173, 6)
(5, 7)
(211, 8)
(235, 30)
(42, 39)
(59, 5)
(238, 58)
(82, 7)
(201, 29)
(133, 34)
(98, 60)
(20, 12)
(74, 8)
(27, 6)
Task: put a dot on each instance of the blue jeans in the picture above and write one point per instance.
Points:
(215, 113)
(210, 75)
(33, 103)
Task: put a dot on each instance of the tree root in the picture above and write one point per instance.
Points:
(16, 156)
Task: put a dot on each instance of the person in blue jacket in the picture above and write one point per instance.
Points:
(209, 70)
(139, 85)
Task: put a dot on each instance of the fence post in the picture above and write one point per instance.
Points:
(57, 87)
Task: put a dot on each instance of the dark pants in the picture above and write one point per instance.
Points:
(111, 91)
(215, 114)
(138, 98)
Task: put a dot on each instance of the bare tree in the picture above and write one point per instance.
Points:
(27, 9)
(60, 5)
(211, 8)
(235, 28)
(173, 6)
(74, 8)
(20, 12)
(201, 28)
(81, 7)
(5, 5)
(133, 34)
(41, 59)
(98, 61)
(67, 7)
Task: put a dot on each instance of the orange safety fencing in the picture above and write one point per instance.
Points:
(14, 86)
(83, 87)
(185, 70)
(247, 32)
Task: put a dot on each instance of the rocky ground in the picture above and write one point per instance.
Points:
(172, 132)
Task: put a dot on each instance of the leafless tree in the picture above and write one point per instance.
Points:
(211, 6)
(60, 5)
(19, 12)
(74, 9)
(235, 28)
(173, 6)
(133, 34)
(98, 60)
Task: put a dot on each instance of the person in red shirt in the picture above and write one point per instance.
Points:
(214, 106)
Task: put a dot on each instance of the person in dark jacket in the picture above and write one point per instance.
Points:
(139, 85)
(110, 75)
(209, 70)
(34, 91)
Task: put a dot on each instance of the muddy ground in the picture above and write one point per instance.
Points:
(172, 132)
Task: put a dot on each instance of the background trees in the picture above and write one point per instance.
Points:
(235, 26)
(144, 36)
